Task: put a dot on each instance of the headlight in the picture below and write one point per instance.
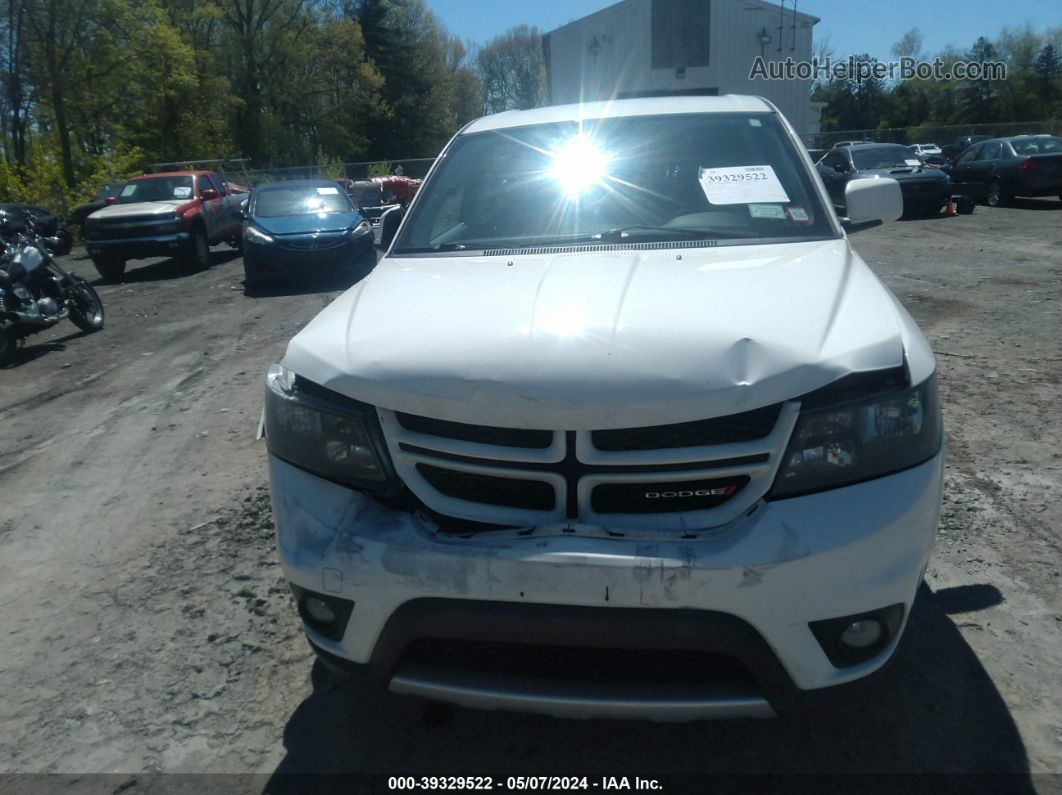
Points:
(252, 235)
(325, 433)
(170, 224)
(843, 444)
(361, 229)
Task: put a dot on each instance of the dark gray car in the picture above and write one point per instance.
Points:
(997, 170)
(925, 189)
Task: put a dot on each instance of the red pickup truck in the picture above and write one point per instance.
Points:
(176, 213)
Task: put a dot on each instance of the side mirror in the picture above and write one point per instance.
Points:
(242, 210)
(872, 199)
(841, 168)
(206, 194)
(389, 223)
(109, 201)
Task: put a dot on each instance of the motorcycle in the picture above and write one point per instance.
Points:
(35, 292)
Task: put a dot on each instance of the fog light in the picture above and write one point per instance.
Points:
(324, 614)
(319, 610)
(850, 640)
(862, 634)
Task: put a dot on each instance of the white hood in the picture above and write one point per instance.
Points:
(604, 340)
(165, 207)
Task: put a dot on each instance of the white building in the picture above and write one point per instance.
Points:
(640, 48)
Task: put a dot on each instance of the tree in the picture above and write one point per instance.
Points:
(70, 47)
(320, 104)
(468, 90)
(1047, 69)
(977, 98)
(512, 70)
(408, 45)
(260, 30)
(909, 100)
(16, 100)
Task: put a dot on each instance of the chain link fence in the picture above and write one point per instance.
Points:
(938, 134)
(416, 168)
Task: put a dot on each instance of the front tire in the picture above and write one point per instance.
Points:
(253, 281)
(198, 255)
(995, 195)
(8, 345)
(109, 268)
(86, 310)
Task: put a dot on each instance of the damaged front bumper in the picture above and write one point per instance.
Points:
(746, 591)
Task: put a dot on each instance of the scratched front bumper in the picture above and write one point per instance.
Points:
(790, 562)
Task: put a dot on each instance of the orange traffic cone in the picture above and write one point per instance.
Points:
(950, 209)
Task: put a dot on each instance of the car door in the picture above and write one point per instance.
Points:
(983, 166)
(962, 172)
(835, 169)
(212, 210)
(1006, 166)
(229, 218)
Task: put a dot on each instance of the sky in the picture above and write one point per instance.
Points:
(854, 27)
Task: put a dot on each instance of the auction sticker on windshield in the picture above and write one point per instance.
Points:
(742, 185)
(767, 211)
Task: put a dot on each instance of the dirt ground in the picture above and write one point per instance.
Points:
(146, 628)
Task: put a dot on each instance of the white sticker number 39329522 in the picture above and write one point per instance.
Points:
(742, 185)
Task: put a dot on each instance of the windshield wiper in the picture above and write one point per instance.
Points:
(621, 233)
(454, 246)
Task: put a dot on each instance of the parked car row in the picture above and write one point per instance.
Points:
(990, 170)
(281, 227)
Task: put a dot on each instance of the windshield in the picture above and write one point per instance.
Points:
(155, 189)
(368, 195)
(884, 157)
(708, 176)
(277, 200)
(1047, 145)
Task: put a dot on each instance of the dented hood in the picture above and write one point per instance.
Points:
(604, 339)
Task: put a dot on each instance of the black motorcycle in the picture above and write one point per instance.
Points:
(35, 292)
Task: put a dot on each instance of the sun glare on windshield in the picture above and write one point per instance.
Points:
(578, 165)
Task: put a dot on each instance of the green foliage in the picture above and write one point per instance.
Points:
(97, 90)
(1031, 91)
(381, 168)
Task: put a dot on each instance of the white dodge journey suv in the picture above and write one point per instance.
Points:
(621, 426)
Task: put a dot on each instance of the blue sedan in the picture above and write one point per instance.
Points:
(301, 229)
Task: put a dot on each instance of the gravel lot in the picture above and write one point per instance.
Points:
(146, 628)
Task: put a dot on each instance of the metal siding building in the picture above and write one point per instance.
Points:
(639, 48)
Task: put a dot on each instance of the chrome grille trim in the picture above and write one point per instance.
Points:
(408, 448)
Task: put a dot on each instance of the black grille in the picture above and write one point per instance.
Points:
(690, 495)
(579, 664)
(744, 427)
(483, 434)
(103, 230)
(532, 495)
(318, 244)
